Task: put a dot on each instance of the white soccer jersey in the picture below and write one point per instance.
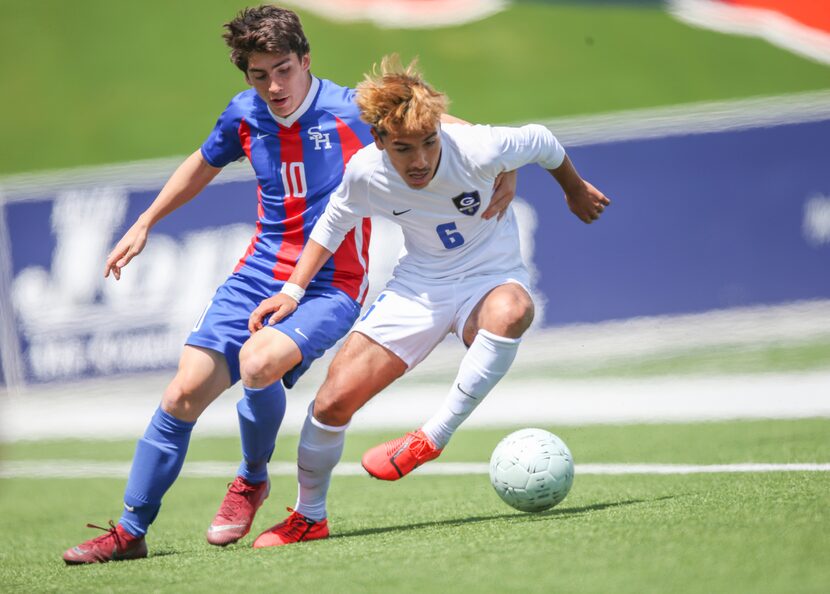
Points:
(444, 235)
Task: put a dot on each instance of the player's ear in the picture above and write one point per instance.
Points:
(378, 139)
(305, 61)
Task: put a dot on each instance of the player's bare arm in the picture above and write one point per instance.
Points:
(584, 200)
(285, 302)
(188, 180)
(504, 190)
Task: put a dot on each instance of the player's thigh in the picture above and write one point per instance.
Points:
(410, 322)
(361, 369)
(323, 317)
(266, 356)
(223, 325)
(505, 309)
(201, 377)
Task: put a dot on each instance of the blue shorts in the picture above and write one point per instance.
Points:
(324, 316)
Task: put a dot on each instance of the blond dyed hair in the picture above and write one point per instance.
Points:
(396, 99)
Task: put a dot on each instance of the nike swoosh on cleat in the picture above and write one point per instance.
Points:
(398, 213)
(224, 528)
(394, 457)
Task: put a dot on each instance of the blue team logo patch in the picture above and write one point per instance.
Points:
(467, 203)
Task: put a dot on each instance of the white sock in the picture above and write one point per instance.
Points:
(318, 453)
(486, 362)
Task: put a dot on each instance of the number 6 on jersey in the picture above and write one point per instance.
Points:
(449, 235)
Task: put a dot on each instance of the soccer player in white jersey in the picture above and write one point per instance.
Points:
(461, 274)
(277, 125)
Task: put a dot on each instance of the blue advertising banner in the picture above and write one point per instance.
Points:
(72, 322)
(698, 222)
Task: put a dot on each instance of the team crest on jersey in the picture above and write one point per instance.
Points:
(467, 203)
(320, 138)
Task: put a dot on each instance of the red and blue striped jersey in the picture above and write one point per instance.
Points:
(298, 162)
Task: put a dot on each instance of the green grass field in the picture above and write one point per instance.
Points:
(107, 81)
(735, 532)
(98, 81)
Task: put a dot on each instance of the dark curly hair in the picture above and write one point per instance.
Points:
(266, 28)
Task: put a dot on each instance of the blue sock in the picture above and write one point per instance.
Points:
(260, 416)
(158, 459)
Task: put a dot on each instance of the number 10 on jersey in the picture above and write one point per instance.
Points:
(293, 179)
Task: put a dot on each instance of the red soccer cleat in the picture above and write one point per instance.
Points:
(395, 459)
(116, 545)
(295, 528)
(236, 514)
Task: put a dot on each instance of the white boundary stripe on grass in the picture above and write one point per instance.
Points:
(96, 469)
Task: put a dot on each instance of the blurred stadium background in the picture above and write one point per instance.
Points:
(714, 261)
(703, 294)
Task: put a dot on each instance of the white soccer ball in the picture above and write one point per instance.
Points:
(532, 470)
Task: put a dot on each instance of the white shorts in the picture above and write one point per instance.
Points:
(412, 318)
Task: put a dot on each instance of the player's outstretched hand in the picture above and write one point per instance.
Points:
(280, 305)
(586, 202)
(125, 250)
(504, 190)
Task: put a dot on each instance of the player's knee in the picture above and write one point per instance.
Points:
(332, 412)
(256, 368)
(510, 313)
(523, 315)
(179, 400)
(333, 403)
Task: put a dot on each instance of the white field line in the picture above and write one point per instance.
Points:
(120, 407)
(123, 412)
(120, 470)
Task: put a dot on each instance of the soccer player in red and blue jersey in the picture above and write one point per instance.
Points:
(298, 132)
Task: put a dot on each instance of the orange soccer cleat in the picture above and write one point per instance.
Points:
(395, 459)
(115, 545)
(295, 528)
(236, 514)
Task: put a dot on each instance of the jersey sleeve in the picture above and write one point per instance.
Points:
(347, 206)
(533, 143)
(224, 145)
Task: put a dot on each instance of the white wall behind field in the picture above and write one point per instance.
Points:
(121, 407)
